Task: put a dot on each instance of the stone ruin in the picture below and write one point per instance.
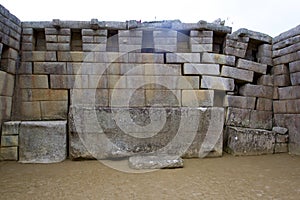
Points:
(98, 89)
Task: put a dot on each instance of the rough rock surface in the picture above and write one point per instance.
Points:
(155, 162)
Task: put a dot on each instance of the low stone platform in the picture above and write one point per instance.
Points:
(155, 162)
(42, 141)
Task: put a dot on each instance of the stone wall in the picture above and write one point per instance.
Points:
(127, 88)
(10, 34)
(286, 72)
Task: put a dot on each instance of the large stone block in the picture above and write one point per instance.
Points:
(33, 81)
(238, 117)
(198, 48)
(245, 141)
(264, 104)
(267, 80)
(239, 102)
(97, 132)
(217, 83)
(155, 162)
(145, 58)
(42, 141)
(130, 97)
(99, 97)
(165, 98)
(280, 69)
(54, 110)
(29, 111)
(9, 140)
(292, 92)
(5, 107)
(218, 59)
(183, 57)
(292, 123)
(261, 119)
(252, 66)
(295, 78)
(11, 128)
(69, 81)
(6, 84)
(50, 68)
(239, 74)
(294, 66)
(9, 153)
(241, 53)
(256, 91)
(43, 95)
(197, 98)
(201, 69)
(282, 80)
(287, 58)
(73, 56)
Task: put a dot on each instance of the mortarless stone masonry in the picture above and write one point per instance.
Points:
(130, 88)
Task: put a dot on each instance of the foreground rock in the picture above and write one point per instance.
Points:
(42, 141)
(246, 141)
(155, 162)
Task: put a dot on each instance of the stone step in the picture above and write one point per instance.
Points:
(155, 162)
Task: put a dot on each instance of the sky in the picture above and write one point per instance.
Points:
(267, 16)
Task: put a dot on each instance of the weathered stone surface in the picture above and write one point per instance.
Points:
(183, 57)
(73, 56)
(201, 69)
(218, 59)
(241, 53)
(292, 92)
(33, 81)
(267, 80)
(197, 98)
(9, 153)
(295, 78)
(6, 84)
(257, 91)
(280, 130)
(69, 81)
(50, 68)
(254, 35)
(292, 123)
(261, 119)
(282, 80)
(163, 98)
(245, 141)
(282, 138)
(264, 50)
(145, 58)
(252, 66)
(11, 128)
(287, 58)
(29, 111)
(42, 142)
(54, 110)
(288, 34)
(239, 102)
(155, 162)
(43, 95)
(264, 104)
(9, 140)
(294, 66)
(238, 117)
(280, 69)
(217, 83)
(239, 74)
(97, 132)
(281, 148)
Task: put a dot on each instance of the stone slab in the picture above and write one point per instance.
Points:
(155, 162)
(217, 83)
(256, 91)
(9, 140)
(11, 128)
(102, 133)
(238, 117)
(252, 66)
(201, 69)
(218, 59)
(291, 92)
(239, 74)
(9, 153)
(245, 141)
(42, 141)
(295, 78)
(239, 102)
(197, 98)
(183, 57)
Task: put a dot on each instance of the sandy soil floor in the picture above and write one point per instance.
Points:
(254, 177)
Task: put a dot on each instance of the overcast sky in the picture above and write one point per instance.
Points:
(268, 16)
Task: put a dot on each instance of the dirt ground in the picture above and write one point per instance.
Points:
(253, 177)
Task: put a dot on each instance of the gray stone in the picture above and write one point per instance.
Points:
(239, 74)
(264, 104)
(97, 132)
(9, 153)
(238, 117)
(292, 123)
(282, 80)
(256, 91)
(245, 141)
(287, 58)
(267, 80)
(239, 102)
(294, 66)
(183, 57)
(280, 130)
(261, 119)
(253, 35)
(42, 141)
(9, 140)
(286, 35)
(287, 50)
(201, 69)
(241, 53)
(217, 83)
(11, 128)
(292, 92)
(252, 66)
(295, 78)
(282, 138)
(281, 148)
(155, 162)
(218, 59)
(280, 69)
